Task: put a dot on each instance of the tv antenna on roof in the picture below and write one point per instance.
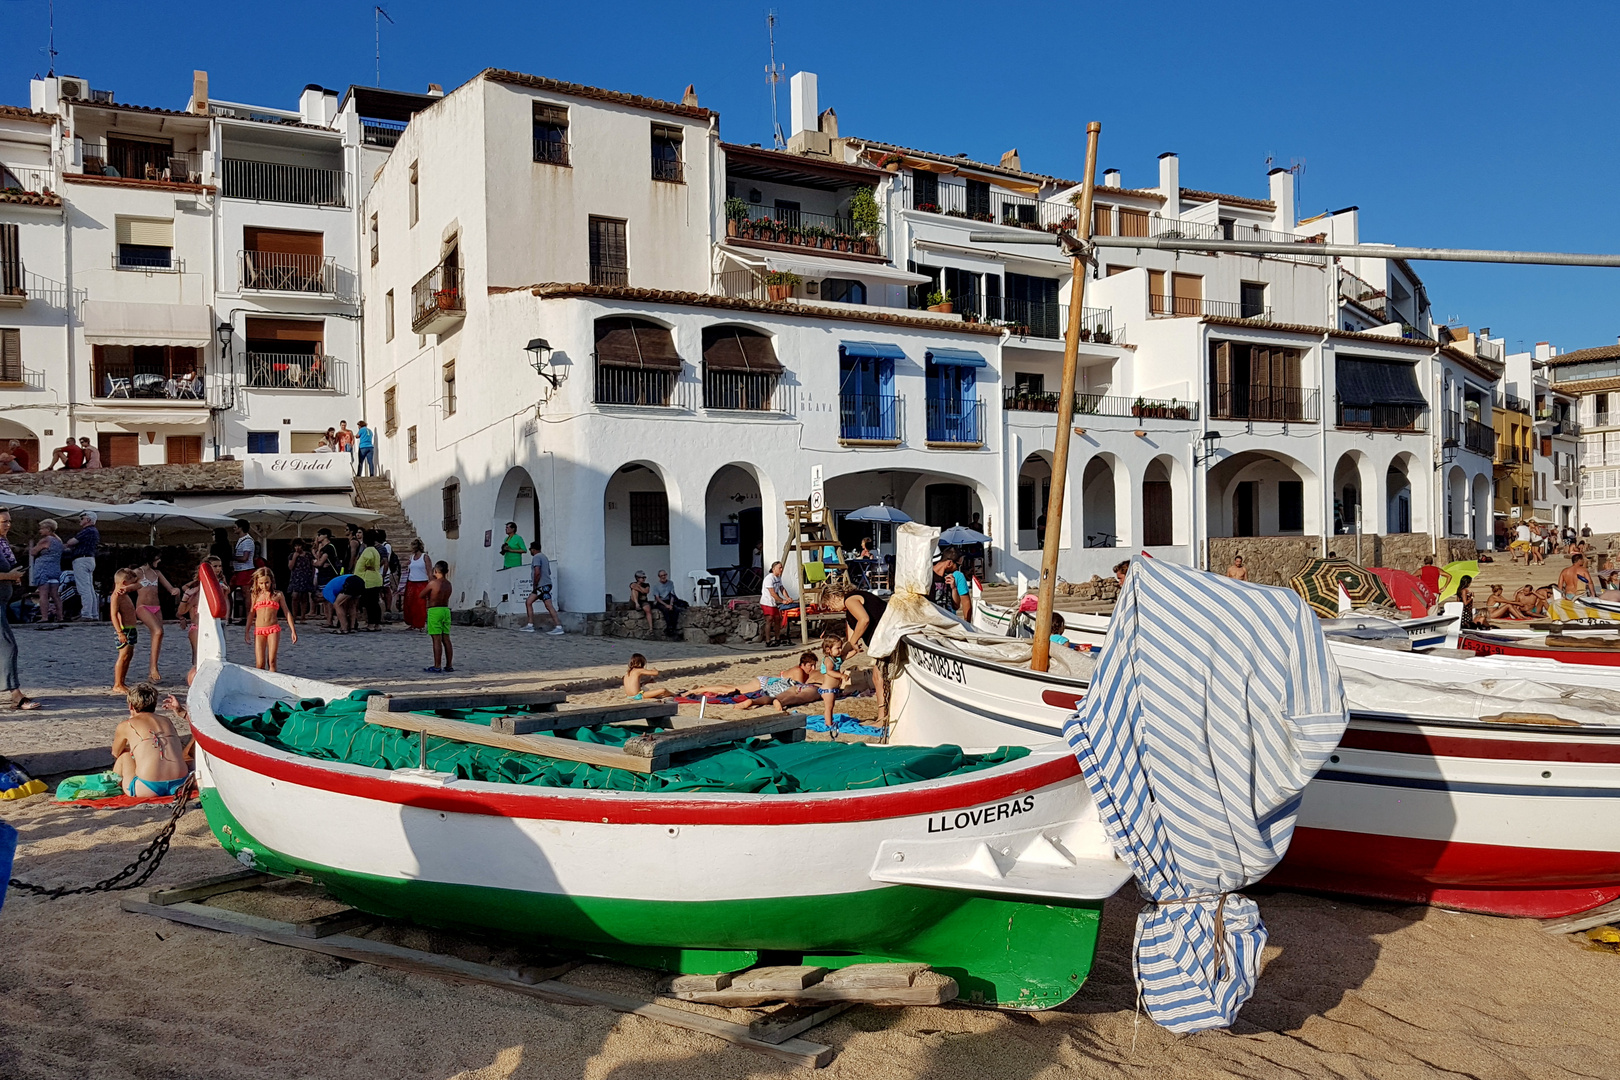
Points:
(773, 76)
(377, 16)
(50, 50)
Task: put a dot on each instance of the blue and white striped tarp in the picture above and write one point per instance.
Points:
(1214, 703)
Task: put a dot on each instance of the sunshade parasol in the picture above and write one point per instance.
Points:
(155, 513)
(1458, 570)
(957, 535)
(35, 505)
(887, 515)
(1407, 590)
(1319, 584)
(273, 512)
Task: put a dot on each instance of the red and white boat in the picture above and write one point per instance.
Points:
(1438, 798)
(1580, 650)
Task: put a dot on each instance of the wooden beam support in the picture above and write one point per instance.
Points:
(794, 1051)
(337, 922)
(584, 716)
(210, 886)
(545, 745)
(464, 699)
(789, 727)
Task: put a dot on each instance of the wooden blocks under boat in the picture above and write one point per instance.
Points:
(870, 984)
(643, 753)
(464, 699)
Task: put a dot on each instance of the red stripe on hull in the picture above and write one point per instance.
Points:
(1490, 879)
(1404, 742)
(553, 804)
(1597, 657)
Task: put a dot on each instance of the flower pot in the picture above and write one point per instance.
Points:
(779, 292)
(943, 309)
(731, 227)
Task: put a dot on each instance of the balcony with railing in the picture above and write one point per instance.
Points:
(131, 160)
(1032, 318)
(151, 260)
(383, 134)
(1512, 403)
(549, 151)
(954, 422)
(869, 418)
(169, 377)
(295, 371)
(438, 301)
(955, 199)
(1276, 404)
(746, 391)
(648, 388)
(270, 181)
(21, 179)
(1480, 438)
(1182, 306)
(1396, 418)
(284, 272)
(13, 280)
(1511, 455)
(1361, 292)
(1176, 228)
(1018, 399)
(829, 234)
(669, 170)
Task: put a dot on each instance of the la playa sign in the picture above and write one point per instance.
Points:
(307, 472)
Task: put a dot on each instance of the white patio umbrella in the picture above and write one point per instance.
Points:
(47, 505)
(155, 514)
(274, 513)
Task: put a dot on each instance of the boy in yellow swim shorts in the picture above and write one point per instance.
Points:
(437, 598)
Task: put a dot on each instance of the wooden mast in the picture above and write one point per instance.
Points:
(1060, 444)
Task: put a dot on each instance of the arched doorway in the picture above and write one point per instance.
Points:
(1483, 507)
(1034, 490)
(517, 501)
(26, 440)
(1456, 502)
(1158, 505)
(1099, 509)
(734, 529)
(635, 527)
(1398, 497)
(1259, 493)
(1350, 514)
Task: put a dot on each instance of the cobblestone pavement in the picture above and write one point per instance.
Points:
(69, 670)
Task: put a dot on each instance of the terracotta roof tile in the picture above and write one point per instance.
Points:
(1601, 352)
(968, 162)
(130, 181)
(1230, 200)
(1477, 364)
(634, 101)
(151, 109)
(17, 112)
(552, 290)
(30, 198)
(1133, 193)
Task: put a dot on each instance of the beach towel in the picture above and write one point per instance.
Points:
(842, 724)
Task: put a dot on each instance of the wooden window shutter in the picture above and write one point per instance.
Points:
(1133, 222)
(1260, 368)
(11, 266)
(11, 356)
(1158, 294)
(1223, 364)
(1102, 221)
(147, 232)
(1291, 368)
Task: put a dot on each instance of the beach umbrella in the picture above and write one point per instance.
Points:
(1319, 584)
(879, 514)
(1407, 590)
(156, 514)
(959, 535)
(1458, 570)
(274, 513)
(47, 505)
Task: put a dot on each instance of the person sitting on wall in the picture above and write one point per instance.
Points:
(1237, 571)
(664, 598)
(68, 456)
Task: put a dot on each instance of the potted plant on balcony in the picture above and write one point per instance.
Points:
(448, 299)
(1138, 407)
(927, 207)
(891, 162)
(736, 214)
(865, 213)
(940, 301)
(779, 284)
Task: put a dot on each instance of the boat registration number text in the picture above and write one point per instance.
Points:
(943, 666)
(984, 815)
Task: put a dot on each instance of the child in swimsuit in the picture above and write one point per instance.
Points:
(148, 611)
(636, 678)
(191, 600)
(150, 752)
(126, 629)
(266, 608)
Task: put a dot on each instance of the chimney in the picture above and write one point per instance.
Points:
(317, 105)
(1170, 182)
(199, 93)
(1282, 193)
(828, 123)
(1009, 160)
(1111, 178)
(435, 90)
(1544, 351)
(802, 93)
(689, 99)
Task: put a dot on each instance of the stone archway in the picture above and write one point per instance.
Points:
(1105, 509)
(637, 508)
(737, 537)
(1263, 493)
(1456, 502)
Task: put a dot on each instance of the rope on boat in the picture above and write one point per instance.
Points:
(136, 873)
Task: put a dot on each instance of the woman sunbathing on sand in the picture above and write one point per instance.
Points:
(636, 678)
(1498, 606)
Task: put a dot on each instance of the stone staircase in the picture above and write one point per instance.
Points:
(377, 493)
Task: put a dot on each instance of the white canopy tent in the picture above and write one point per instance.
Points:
(276, 514)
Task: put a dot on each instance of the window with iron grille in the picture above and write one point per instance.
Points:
(390, 411)
(452, 509)
(11, 369)
(666, 154)
(388, 316)
(372, 228)
(550, 133)
(649, 519)
(264, 442)
(450, 388)
(410, 443)
(610, 259)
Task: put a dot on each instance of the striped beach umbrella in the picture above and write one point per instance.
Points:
(1320, 581)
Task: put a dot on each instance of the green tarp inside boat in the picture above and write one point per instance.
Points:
(337, 731)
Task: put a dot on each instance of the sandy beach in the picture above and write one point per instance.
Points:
(1350, 989)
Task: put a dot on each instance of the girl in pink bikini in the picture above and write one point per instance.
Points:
(147, 609)
(266, 608)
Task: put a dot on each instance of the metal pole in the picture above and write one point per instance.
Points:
(1304, 249)
(1041, 658)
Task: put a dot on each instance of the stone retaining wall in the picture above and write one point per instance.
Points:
(127, 483)
(1273, 560)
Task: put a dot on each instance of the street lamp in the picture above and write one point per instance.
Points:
(224, 332)
(1209, 440)
(538, 349)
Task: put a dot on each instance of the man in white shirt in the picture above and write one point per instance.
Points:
(773, 600)
(243, 554)
(540, 590)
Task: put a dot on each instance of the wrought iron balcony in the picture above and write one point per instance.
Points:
(295, 371)
(269, 181)
(1277, 404)
(955, 422)
(1398, 418)
(746, 391)
(141, 161)
(869, 418)
(279, 271)
(380, 133)
(438, 302)
(1180, 306)
(830, 233)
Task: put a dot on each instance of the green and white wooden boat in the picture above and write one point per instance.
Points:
(995, 877)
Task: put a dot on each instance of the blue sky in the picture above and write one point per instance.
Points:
(1478, 125)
